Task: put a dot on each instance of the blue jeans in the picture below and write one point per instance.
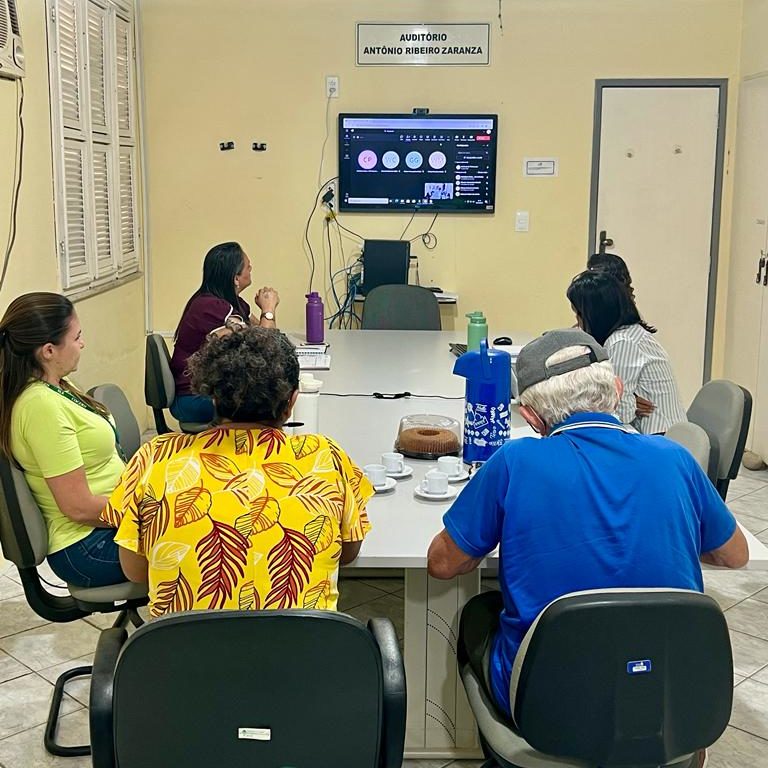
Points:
(91, 562)
(193, 408)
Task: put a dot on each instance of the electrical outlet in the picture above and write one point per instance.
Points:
(333, 187)
(332, 86)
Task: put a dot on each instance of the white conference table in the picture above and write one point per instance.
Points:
(439, 721)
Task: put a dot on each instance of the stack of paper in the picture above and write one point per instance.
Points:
(313, 357)
(313, 361)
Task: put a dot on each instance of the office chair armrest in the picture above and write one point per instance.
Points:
(108, 650)
(394, 694)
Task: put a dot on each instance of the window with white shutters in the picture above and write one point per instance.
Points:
(95, 146)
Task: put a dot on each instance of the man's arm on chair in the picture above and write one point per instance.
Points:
(446, 560)
(722, 541)
(733, 554)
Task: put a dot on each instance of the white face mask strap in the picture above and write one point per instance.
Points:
(586, 424)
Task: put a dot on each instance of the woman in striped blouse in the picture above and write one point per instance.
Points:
(605, 310)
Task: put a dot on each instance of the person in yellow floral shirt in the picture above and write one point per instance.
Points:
(241, 515)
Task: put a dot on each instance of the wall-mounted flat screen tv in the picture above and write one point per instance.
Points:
(431, 163)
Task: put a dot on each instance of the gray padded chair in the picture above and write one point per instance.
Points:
(117, 403)
(401, 308)
(628, 677)
(159, 386)
(723, 410)
(24, 540)
(700, 446)
(249, 688)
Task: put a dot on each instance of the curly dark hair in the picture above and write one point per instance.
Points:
(250, 374)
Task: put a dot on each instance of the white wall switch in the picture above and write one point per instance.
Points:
(522, 219)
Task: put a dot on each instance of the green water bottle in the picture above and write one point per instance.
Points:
(477, 330)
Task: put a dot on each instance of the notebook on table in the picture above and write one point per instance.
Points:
(312, 360)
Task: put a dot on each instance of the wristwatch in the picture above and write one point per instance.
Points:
(267, 315)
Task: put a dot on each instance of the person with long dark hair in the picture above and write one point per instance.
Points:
(614, 265)
(216, 303)
(605, 309)
(63, 440)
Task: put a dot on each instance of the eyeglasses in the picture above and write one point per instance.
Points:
(232, 324)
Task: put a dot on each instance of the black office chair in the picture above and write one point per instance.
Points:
(160, 388)
(249, 688)
(702, 447)
(628, 677)
(24, 540)
(127, 427)
(401, 308)
(723, 409)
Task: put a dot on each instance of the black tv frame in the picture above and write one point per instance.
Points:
(436, 206)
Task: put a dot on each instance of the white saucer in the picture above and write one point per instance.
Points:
(422, 494)
(388, 485)
(460, 478)
(407, 472)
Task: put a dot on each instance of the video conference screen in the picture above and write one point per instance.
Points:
(432, 163)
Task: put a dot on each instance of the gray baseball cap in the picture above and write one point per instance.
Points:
(532, 365)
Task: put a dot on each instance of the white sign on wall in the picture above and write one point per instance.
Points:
(540, 166)
(423, 44)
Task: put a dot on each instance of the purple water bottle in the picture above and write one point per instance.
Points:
(315, 318)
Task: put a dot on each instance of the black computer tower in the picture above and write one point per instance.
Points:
(385, 262)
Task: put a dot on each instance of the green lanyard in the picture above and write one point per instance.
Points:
(77, 401)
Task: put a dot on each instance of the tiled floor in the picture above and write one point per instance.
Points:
(33, 653)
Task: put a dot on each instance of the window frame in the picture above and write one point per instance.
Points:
(98, 205)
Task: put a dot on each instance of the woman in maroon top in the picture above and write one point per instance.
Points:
(226, 273)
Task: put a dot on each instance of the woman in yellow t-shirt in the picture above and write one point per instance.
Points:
(64, 441)
(241, 515)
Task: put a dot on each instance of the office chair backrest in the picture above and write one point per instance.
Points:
(703, 448)
(624, 677)
(237, 688)
(23, 532)
(401, 308)
(24, 540)
(127, 427)
(724, 409)
(159, 385)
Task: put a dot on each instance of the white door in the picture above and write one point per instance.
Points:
(655, 199)
(759, 433)
(746, 358)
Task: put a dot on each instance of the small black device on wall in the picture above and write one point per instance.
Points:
(385, 262)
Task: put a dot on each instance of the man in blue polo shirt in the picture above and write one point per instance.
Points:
(591, 505)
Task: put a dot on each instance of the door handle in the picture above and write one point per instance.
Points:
(760, 266)
(605, 241)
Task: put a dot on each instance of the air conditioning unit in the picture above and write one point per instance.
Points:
(11, 49)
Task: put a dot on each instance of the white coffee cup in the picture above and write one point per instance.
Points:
(376, 473)
(451, 465)
(393, 462)
(435, 482)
